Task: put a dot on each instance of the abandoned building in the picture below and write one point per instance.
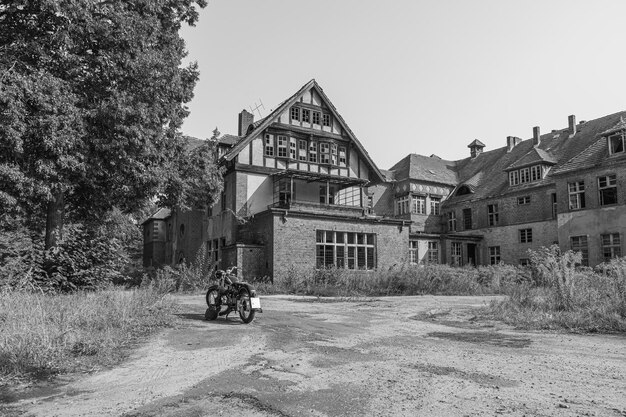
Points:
(301, 191)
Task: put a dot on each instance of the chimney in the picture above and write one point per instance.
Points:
(512, 142)
(245, 120)
(572, 124)
(536, 136)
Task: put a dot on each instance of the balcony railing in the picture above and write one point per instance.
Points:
(319, 208)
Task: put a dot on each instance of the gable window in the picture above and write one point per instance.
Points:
(324, 153)
(535, 172)
(316, 117)
(513, 177)
(494, 255)
(524, 175)
(282, 146)
(455, 253)
(402, 205)
(302, 151)
(313, 152)
(523, 200)
(607, 186)
(493, 215)
(579, 244)
(413, 254)
(611, 247)
(435, 205)
(433, 253)
(326, 119)
(342, 156)
(467, 219)
(306, 115)
(525, 235)
(452, 221)
(418, 204)
(616, 143)
(292, 148)
(345, 250)
(269, 146)
(295, 113)
(576, 192)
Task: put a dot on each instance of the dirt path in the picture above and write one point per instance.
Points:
(426, 356)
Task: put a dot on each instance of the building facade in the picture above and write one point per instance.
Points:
(301, 191)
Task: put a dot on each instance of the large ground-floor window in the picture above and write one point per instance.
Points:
(455, 253)
(349, 250)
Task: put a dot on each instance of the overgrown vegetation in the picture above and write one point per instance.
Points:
(44, 334)
(558, 294)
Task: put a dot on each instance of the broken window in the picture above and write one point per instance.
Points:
(576, 192)
(607, 186)
(616, 143)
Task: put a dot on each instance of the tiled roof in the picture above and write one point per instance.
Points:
(161, 214)
(476, 143)
(621, 125)
(534, 156)
(424, 168)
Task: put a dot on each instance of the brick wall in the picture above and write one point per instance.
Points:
(294, 241)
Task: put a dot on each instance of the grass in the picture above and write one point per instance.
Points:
(43, 334)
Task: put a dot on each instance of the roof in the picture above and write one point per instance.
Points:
(161, 214)
(565, 152)
(476, 144)
(424, 168)
(264, 123)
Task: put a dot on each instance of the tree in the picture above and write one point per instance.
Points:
(92, 96)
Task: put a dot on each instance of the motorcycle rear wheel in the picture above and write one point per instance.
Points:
(213, 301)
(246, 313)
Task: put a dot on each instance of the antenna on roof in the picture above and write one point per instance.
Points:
(257, 107)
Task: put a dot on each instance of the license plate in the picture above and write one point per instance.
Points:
(255, 302)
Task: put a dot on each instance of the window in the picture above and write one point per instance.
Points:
(455, 253)
(579, 244)
(326, 119)
(435, 205)
(524, 175)
(523, 200)
(370, 204)
(467, 219)
(292, 148)
(451, 221)
(616, 143)
(576, 195)
(524, 261)
(526, 235)
(302, 151)
(607, 186)
(611, 247)
(282, 146)
(418, 204)
(494, 255)
(313, 152)
(433, 252)
(342, 156)
(554, 205)
(345, 250)
(402, 205)
(285, 188)
(269, 146)
(492, 214)
(333, 154)
(327, 195)
(306, 115)
(324, 153)
(513, 178)
(316, 117)
(295, 113)
(413, 253)
(535, 173)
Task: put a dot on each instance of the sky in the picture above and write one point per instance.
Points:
(413, 76)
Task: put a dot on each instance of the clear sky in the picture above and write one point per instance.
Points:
(413, 76)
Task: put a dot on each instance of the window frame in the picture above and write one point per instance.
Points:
(610, 185)
(432, 256)
(493, 214)
(349, 250)
(295, 113)
(269, 149)
(282, 149)
(611, 243)
(494, 255)
(452, 221)
(435, 205)
(324, 153)
(306, 115)
(316, 118)
(313, 154)
(467, 219)
(418, 204)
(622, 142)
(526, 235)
(456, 256)
(523, 201)
(579, 247)
(576, 194)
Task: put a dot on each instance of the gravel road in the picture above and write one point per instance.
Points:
(402, 356)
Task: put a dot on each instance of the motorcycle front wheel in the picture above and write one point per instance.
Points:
(213, 301)
(246, 313)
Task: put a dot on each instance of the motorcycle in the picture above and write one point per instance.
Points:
(232, 295)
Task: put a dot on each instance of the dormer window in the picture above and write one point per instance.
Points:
(526, 175)
(616, 143)
(464, 189)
